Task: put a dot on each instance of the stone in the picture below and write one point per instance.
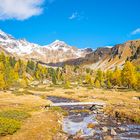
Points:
(79, 133)
(95, 112)
(122, 129)
(136, 98)
(60, 136)
(113, 132)
(59, 122)
(35, 83)
(79, 114)
(12, 89)
(104, 129)
(119, 123)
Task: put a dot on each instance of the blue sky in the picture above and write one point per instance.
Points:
(80, 23)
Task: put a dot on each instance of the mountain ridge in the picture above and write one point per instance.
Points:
(54, 52)
(58, 53)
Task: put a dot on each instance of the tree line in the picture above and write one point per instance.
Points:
(15, 72)
(127, 77)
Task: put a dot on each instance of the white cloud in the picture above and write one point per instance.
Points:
(78, 16)
(74, 16)
(137, 31)
(20, 9)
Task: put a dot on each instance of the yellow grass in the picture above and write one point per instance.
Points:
(42, 125)
(27, 102)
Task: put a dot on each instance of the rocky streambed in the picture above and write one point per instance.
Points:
(86, 123)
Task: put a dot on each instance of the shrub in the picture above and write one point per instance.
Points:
(8, 126)
(14, 114)
(67, 85)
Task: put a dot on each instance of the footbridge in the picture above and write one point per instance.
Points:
(77, 104)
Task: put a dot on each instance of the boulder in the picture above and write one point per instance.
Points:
(122, 129)
(136, 98)
(79, 133)
(113, 132)
(104, 129)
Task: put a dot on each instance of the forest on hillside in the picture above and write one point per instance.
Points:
(19, 73)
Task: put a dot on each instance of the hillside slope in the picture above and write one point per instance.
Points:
(116, 56)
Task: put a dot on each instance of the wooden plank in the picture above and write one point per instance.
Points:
(78, 103)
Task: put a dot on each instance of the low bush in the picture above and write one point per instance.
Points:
(14, 114)
(8, 126)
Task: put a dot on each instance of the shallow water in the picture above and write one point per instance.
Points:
(79, 117)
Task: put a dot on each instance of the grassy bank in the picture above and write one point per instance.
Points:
(24, 117)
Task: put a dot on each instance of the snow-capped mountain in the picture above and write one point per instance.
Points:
(58, 51)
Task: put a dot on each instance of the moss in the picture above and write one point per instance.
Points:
(8, 126)
(14, 114)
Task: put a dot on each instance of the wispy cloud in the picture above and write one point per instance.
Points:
(74, 16)
(20, 9)
(78, 16)
(137, 31)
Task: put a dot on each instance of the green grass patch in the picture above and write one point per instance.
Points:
(8, 126)
(14, 114)
(60, 110)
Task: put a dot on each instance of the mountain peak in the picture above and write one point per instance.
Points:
(5, 36)
(57, 51)
(59, 43)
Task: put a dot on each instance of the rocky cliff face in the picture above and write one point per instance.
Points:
(116, 56)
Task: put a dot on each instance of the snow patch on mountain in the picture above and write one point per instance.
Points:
(56, 51)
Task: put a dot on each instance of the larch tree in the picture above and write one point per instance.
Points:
(128, 75)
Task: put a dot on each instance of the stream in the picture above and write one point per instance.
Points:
(84, 124)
